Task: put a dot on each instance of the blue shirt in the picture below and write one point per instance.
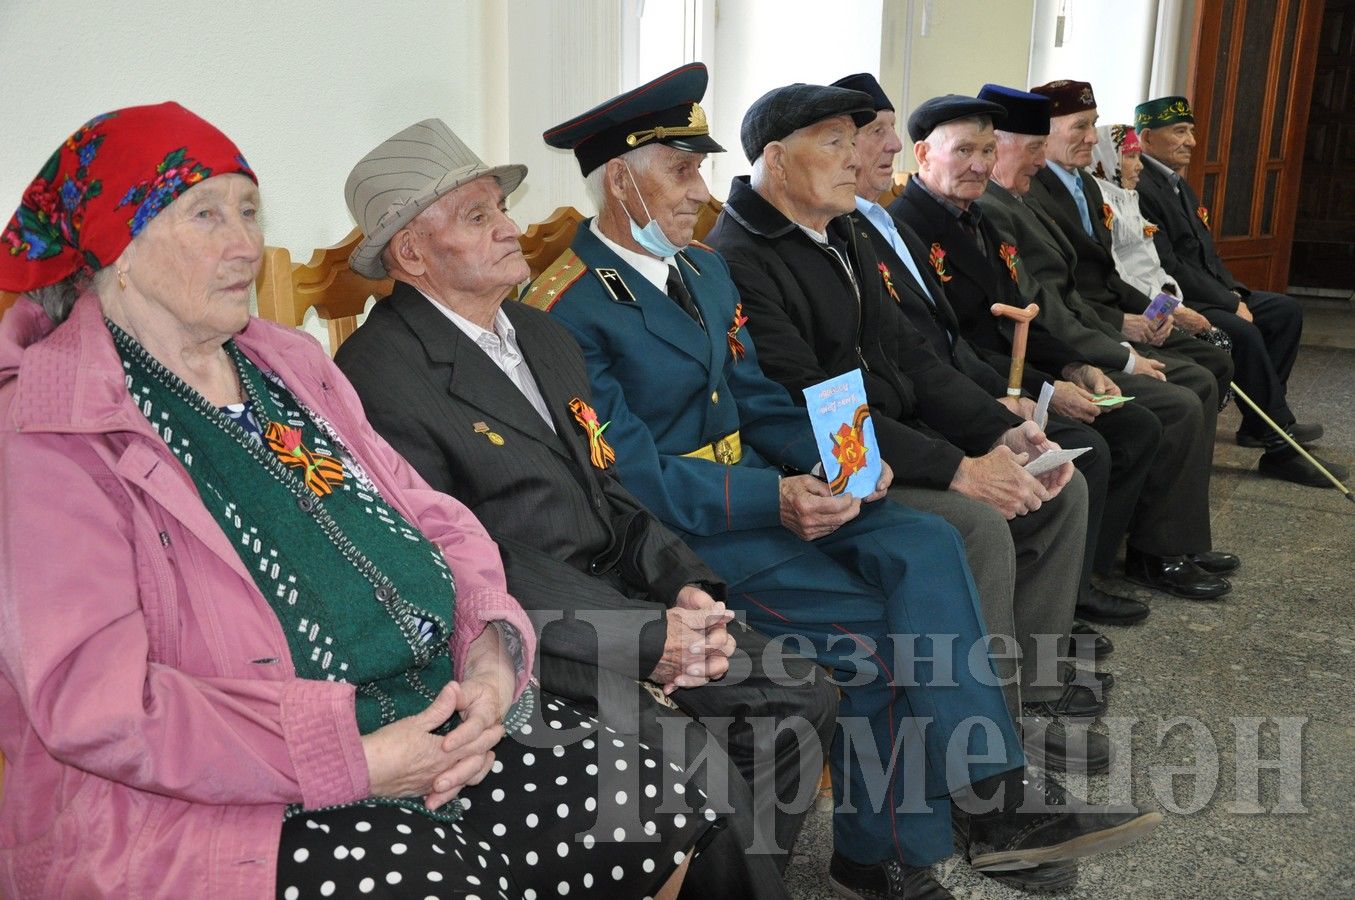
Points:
(1073, 181)
(878, 216)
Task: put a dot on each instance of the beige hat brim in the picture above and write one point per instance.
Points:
(366, 259)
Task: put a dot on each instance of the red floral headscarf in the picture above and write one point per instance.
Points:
(102, 186)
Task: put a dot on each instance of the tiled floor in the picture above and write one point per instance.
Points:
(1283, 645)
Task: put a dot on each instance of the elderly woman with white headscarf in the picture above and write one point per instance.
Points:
(1116, 164)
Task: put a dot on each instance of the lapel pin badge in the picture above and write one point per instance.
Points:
(494, 437)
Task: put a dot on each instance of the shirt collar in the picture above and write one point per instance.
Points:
(1069, 179)
(1160, 166)
(874, 212)
(818, 237)
(503, 332)
(652, 269)
(975, 211)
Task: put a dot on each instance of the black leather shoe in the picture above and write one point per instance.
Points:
(1304, 434)
(1050, 878)
(1174, 575)
(1098, 681)
(888, 880)
(1077, 702)
(1286, 465)
(1083, 634)
(1216, 562)
(1108, 609)
(1049, 826)
(1059, 745)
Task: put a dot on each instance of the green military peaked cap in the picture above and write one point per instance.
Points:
(1162, 112)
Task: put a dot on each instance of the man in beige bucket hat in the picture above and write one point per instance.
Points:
(490, 402)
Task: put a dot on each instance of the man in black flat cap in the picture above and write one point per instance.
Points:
(1265, 327)
(721, 454)
(1113, 477)
(955, 204)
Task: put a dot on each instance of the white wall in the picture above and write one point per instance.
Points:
(934, 47)
(1110, 45)
(790, 40)
(303, 87)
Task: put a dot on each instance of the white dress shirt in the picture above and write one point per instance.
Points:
(501, 346)
(654, 270)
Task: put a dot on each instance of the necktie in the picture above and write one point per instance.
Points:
(1080, 198)
(680, 295)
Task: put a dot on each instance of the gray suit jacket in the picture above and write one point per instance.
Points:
(1047, 278)
(572, 538)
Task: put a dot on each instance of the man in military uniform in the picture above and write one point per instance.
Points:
(722, 455)
(1265, 327)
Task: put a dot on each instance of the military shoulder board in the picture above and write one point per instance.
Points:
(551, 284)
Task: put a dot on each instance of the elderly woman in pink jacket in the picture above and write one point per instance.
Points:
(244, 649)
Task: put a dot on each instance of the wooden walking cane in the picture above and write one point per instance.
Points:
(1022, 319)
(1275, 426)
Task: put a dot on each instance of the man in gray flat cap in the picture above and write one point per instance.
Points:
(724, 456)
(488, 401)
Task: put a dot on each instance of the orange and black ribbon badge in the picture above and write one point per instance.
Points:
(318, 471)
(1203, 213)
(1149, 229)
(889, 282)
(1008, 254)
(599, 452)
(736, 348)
(1108, 213)
(937, 257)
(849, 449)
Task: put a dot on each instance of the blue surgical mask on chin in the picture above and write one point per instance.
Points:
(651, 237)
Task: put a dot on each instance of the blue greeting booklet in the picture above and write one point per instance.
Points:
(845, 435)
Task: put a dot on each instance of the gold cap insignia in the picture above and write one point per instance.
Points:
(696, 124)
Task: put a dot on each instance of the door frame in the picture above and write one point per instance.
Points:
(1262, 261)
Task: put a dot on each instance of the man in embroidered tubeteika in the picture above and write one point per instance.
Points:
(1265, 327)
(490, 403)
(721, 453)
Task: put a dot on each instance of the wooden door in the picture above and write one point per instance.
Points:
(1252, 79)
(1324, 231)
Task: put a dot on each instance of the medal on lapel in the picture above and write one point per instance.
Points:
(937, 257)
(319, 472)
(889, 283)
(1008, 254)
(1203, 213)
(494, 437)
(599, 451)
(1108, 213)
(736, 348)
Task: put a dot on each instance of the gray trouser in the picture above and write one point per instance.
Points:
(1027, 572)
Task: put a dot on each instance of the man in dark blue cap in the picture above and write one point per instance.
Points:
(722, 455)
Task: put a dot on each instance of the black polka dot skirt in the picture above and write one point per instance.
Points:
(571, 808)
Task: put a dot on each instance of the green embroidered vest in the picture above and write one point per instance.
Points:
(362, 596)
